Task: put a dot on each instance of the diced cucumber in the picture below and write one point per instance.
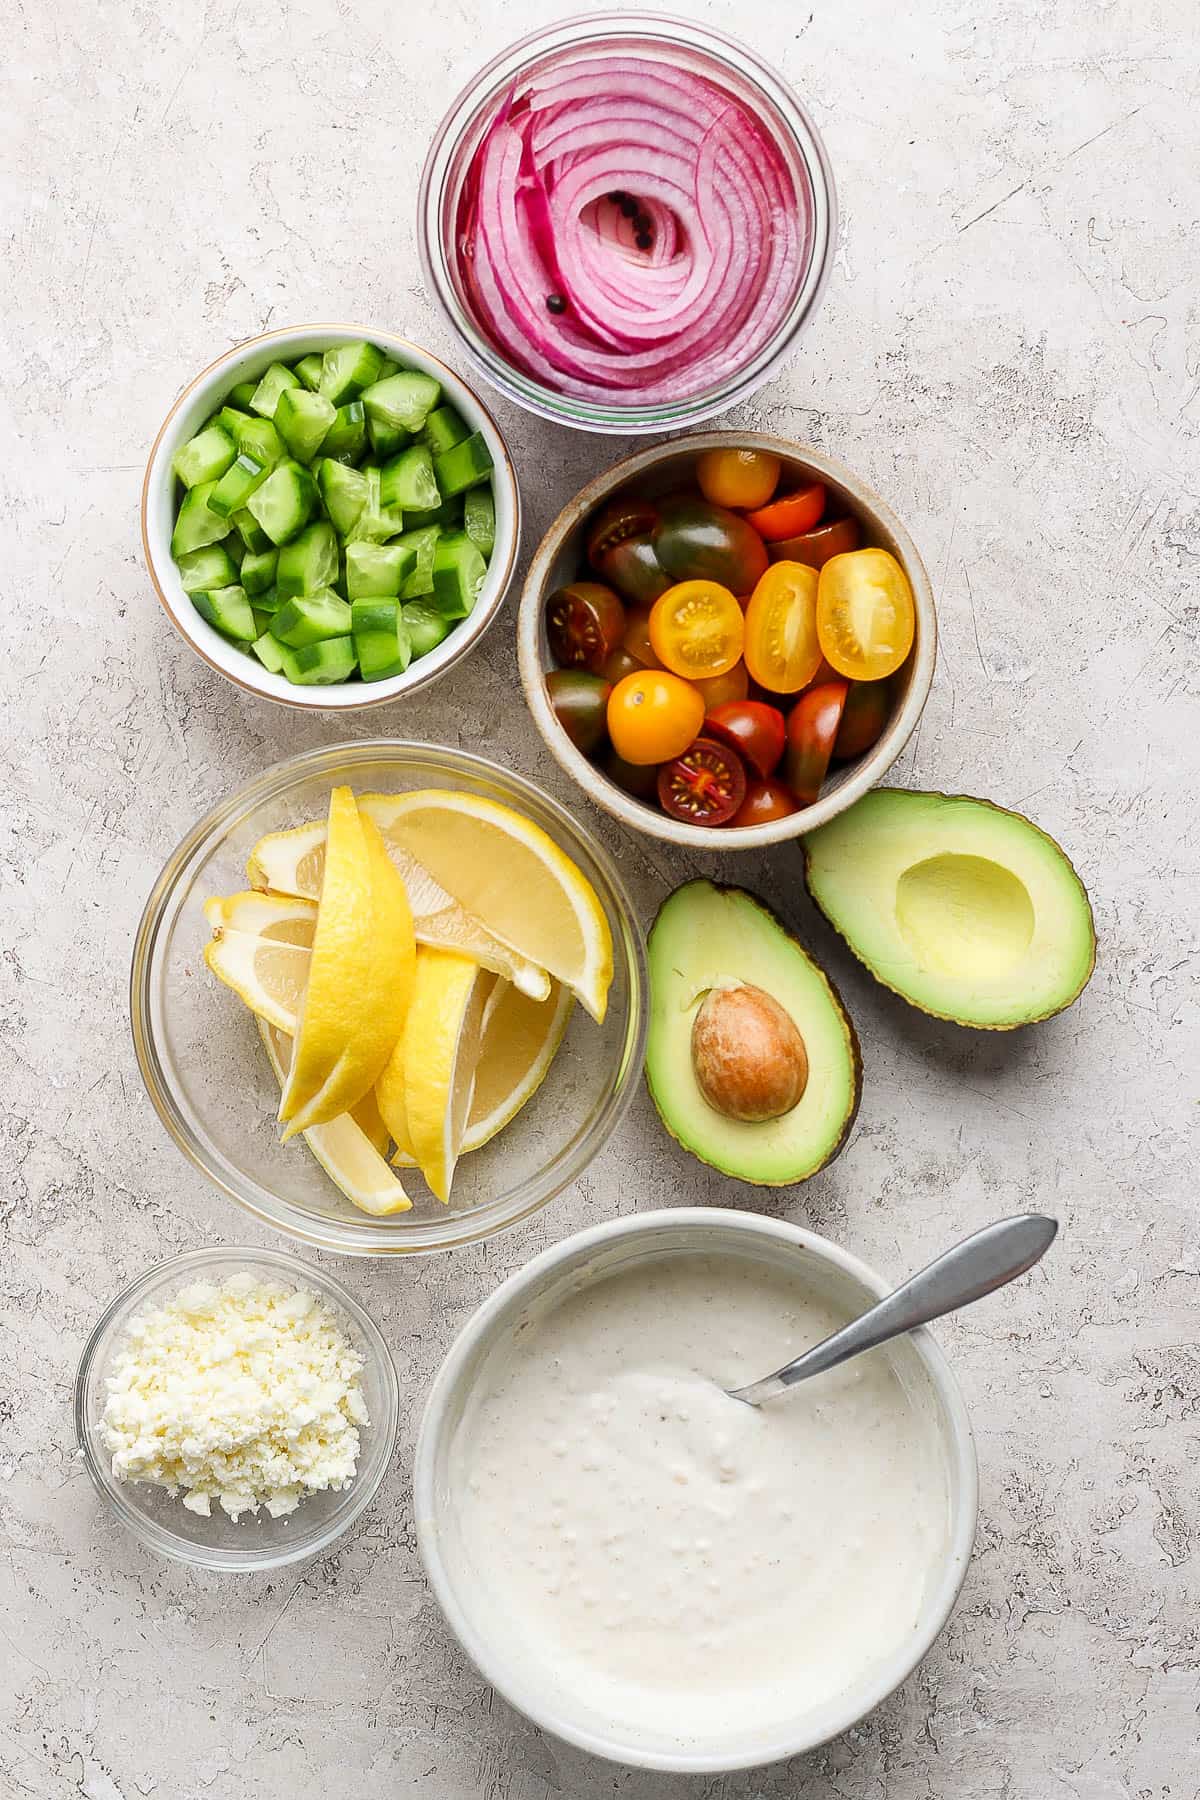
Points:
(308, 370)
(228, 611)
(258, 571)
(237, 484)
(211, 567)
(258, 438)
(285, 502)
(378, 569)
(308, 618)
(389, 366)
(250, 532)
(346, 438)
(386, 440)
(458, 574)
(268, 601)
(479, 517)
(448, 512)
(309, 562)
(424, 544)
(407, 481)
(425, 626)
(231, 420)
(344, 493)
(262, 620)
(204, 457)
(197, 525)
(402, 401)
(269, 652)
(303, 420)
(266, 395)
(237, 550)
(241, 395)
(380, 639)
(376, 523)
(462, 466)
(443, 429)
(320, 665)
(348, 369)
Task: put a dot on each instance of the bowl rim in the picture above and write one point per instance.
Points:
(361, 1492)
(870, 769)
(340, 1236)
(959, 1442)
(468, 632)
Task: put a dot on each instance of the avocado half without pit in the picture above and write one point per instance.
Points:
(751, 1060)
(965, 910)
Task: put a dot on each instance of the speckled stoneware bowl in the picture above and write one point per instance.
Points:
(560, 558)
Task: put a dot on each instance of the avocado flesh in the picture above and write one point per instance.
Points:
(965, 910)
(704, 937)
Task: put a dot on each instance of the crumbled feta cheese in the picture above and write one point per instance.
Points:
(247, 1393)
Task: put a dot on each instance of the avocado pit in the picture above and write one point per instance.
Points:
(748, 1057)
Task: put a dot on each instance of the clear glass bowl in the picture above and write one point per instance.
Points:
(253, 1542)
(203, 1064)
(706, 52)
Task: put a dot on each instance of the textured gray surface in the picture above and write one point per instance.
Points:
(1009, 348)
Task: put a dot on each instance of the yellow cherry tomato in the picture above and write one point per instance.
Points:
(737, 477)
(715, 690)
(866, 620)
(697, 629)
(653, 717)
(782, 651)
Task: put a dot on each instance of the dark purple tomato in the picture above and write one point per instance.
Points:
(619, 549)
(640, 780)
(704, 786)
(695, 541)
(580, 703)
(585, 623)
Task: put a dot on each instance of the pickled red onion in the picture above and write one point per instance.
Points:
(628, 231)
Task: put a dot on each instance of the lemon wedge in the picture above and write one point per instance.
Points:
(282, 918)
(269, 976)
(342, 1147)
(439, 1050)
(293, 863)
(509, 873)
(370, 1121)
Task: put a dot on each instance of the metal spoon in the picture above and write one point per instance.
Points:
(980, 1264)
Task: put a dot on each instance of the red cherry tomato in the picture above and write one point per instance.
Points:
(584, 623)
(756, 731)
(790, 514)
(863, 718)
(812, 730)
(815, 547)
(704, 786)
(765, 802)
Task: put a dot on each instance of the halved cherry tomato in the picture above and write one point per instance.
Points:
(866, 619)
(790, 514)
(620, 550)
(653, 716)
(782, 652)
(812, 729)
(697, 629)
(757, 732)
(584, 623)
(694, 541)
(637, 779)
(765, 802)
(863, 718)
(815, 547)
(734, 684)
(625, 517)
(580, 703)
(737, 477)
(704, 786)
(636, 641)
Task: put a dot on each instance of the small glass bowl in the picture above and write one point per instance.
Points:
(203, 1064)
(709, 53)
(255, 1541)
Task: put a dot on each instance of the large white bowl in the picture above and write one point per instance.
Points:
(503, 1653)
(201, 398)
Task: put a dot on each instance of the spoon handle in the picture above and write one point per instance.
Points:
(980, 1264)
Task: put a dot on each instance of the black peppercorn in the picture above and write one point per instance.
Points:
(617, 197)
(643, 240)
(629, 207)
(555, 303)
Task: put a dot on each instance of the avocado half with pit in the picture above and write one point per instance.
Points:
(965, 910)
(751, 1058)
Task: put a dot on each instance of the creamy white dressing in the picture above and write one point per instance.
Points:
(678, 1561)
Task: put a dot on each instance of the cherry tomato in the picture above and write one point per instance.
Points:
(866, 619)
(737, 477)
(585, 623)
(620, 550)
(697, 629)
(815, 547)
(636, 642)
(638, 779)
(625, 517)
(580, 703)
(790, 514)
(694, 541)
(782, 652)
(620, 664)
(812, 729)
(734, 684)
(757, 732)
(863, 718)
(765, 801)
(653, 716)
(704, 786)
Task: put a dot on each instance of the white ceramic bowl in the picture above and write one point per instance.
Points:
(202, 397)
(502, 1650)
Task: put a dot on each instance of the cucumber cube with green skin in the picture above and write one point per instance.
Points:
(376, 523)
(231, 420)
(378, 570)
(309, 563)
(380, 639)
(308, 618)
(258, 438)
(443, 429)
(250, 532)
(386, 440)
(389, 366)
(308, 370)
(446, 513)
(241, 395)
(407, 481)
(458, 574)
(212, 567)
(461, 467)
(402, 401)
(320, 665)
(204, 457)
(347, 369)
(269, 652)
(236, 550)
(266, 395)
(424, 544)
(344, 493)
(285, 502)
(262, 620)
(346, 438)
(303, 420)
(426, 627)
(227, 610)
(197, 525)
(268, 601)
(258, 571)
(479, 517)
(237, 484)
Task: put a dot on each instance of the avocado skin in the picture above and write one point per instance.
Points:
(838, 1005)
(966, 1024)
